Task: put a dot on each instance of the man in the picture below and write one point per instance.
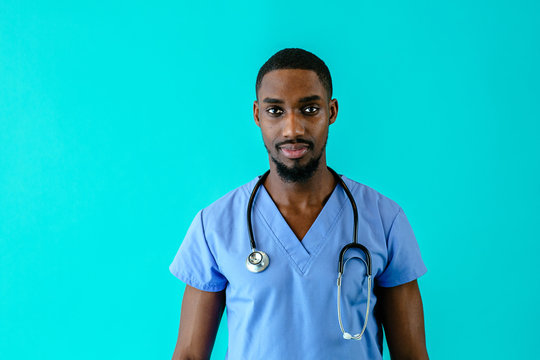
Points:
(301, 218)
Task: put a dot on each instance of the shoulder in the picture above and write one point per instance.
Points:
(227, 207)
(372, 201)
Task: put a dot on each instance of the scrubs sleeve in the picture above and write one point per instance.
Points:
(194, 263)
(404, 263)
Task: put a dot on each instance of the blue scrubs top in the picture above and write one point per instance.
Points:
(289, 311)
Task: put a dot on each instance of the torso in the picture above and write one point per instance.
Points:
(297, 293)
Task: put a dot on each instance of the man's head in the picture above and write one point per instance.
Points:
(294, 58)
(294, 110)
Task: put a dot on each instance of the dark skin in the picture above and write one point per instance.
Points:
(284, 116)
(199, 322)
(402, 317)
(294, 113)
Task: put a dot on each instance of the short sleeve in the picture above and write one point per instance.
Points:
(404, 263)
(194, 263)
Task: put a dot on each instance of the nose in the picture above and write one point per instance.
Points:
(293, 126)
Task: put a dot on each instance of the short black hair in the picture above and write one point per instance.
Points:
(294, 58)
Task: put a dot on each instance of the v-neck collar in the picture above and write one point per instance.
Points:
(302, 253)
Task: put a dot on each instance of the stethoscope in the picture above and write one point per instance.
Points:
(258, 261)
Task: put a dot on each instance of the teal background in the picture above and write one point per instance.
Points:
(120, 120)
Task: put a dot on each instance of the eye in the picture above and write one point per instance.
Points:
(274, 110)
(311, 109)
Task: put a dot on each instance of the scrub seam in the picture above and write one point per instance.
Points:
(411, 276)
(318, 249)
(284, 250)
(386, 237)
(206, 243)
(330, 230)
(191, 281)
(279, 241)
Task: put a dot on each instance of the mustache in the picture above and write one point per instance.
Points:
(297, 141)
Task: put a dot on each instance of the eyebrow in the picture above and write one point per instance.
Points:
(273, 101)
(309, 98)
(302, 100)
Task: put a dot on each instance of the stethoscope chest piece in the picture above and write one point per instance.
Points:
(257, 261)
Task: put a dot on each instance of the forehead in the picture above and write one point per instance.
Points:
(290, 84)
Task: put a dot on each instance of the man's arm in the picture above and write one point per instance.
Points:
(199, 321)
(403, 321)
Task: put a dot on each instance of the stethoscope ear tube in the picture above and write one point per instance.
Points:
(347, 335)
(355, 246)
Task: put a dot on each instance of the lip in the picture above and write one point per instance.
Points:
(294, 151)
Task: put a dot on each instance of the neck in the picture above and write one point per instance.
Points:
(313, 192)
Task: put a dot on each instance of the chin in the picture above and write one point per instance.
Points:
(302, 169)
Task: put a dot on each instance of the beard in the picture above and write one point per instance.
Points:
(297, 173)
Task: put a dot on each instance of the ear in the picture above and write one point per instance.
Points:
(256, 113)
(333, 110)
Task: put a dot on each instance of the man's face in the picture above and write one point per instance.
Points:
(294, 112)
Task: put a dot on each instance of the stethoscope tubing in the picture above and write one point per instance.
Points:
(258, 261)
(353, 244)
(250, 206)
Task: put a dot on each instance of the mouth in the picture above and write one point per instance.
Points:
(294, 151)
